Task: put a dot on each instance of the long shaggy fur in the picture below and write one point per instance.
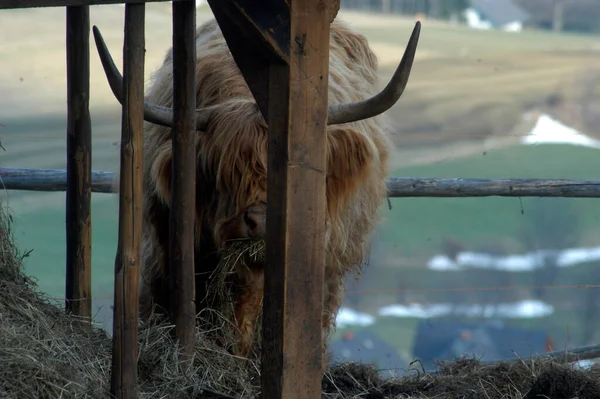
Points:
(232, 168)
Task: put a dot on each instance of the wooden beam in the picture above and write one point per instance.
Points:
(50, 180)
(8, 4)
(292, 361)
(284, 57)
(183, 194)
(127, 262)
(55, 180)
(264, 26)
(79, 166)
(458, 187)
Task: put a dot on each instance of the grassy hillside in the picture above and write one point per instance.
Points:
(469, 83)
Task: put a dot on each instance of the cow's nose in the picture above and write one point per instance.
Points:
(255, 220)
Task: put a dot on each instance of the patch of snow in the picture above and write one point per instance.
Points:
(514, 263)
(548, 130)
(520, 310)
(584, 364)
(416, 310)
(526, 309)
(348, 317)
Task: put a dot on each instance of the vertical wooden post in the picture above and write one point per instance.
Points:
(296, 209)
(127, 262)
(183, 194)
(79, 165)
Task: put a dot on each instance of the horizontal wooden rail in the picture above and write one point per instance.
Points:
(459, 187)
(50, 180)
(6, 4)
(102, 182)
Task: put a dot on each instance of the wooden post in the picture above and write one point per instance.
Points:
(183, 194)
(79, 165)
(127, 262)
(284, 57)
(285, 61)
(296, 209)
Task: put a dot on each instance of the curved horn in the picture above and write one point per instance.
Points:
(384, 100)
(152, 113)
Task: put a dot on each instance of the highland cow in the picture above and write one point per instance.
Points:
(231, 175)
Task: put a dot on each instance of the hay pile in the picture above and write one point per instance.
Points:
(468, 379)
(46, 354)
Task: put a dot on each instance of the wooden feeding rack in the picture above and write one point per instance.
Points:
(282, 49)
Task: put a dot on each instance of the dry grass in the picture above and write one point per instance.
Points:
(42, 351)
(240, 254)
(47, 354)
(468, 379)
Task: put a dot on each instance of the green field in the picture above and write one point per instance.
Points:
(415, 226)
(465, 84)
(400, 332)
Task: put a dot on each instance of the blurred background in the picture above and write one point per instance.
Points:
(499, 88)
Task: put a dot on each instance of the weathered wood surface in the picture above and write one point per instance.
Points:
(183, 192)
(50, 180)
(127, 261)
(288, 76)
(6, 4)
(78, 290)
(255, 54)
(55, 180)
(296, 214)
(459, 187)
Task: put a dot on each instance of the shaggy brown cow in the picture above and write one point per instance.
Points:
(231, 185)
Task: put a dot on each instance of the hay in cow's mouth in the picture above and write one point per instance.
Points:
(223, 284)
(238, 254)
(45, 353)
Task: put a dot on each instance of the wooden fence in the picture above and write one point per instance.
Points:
(287, 115)
(56, 180)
